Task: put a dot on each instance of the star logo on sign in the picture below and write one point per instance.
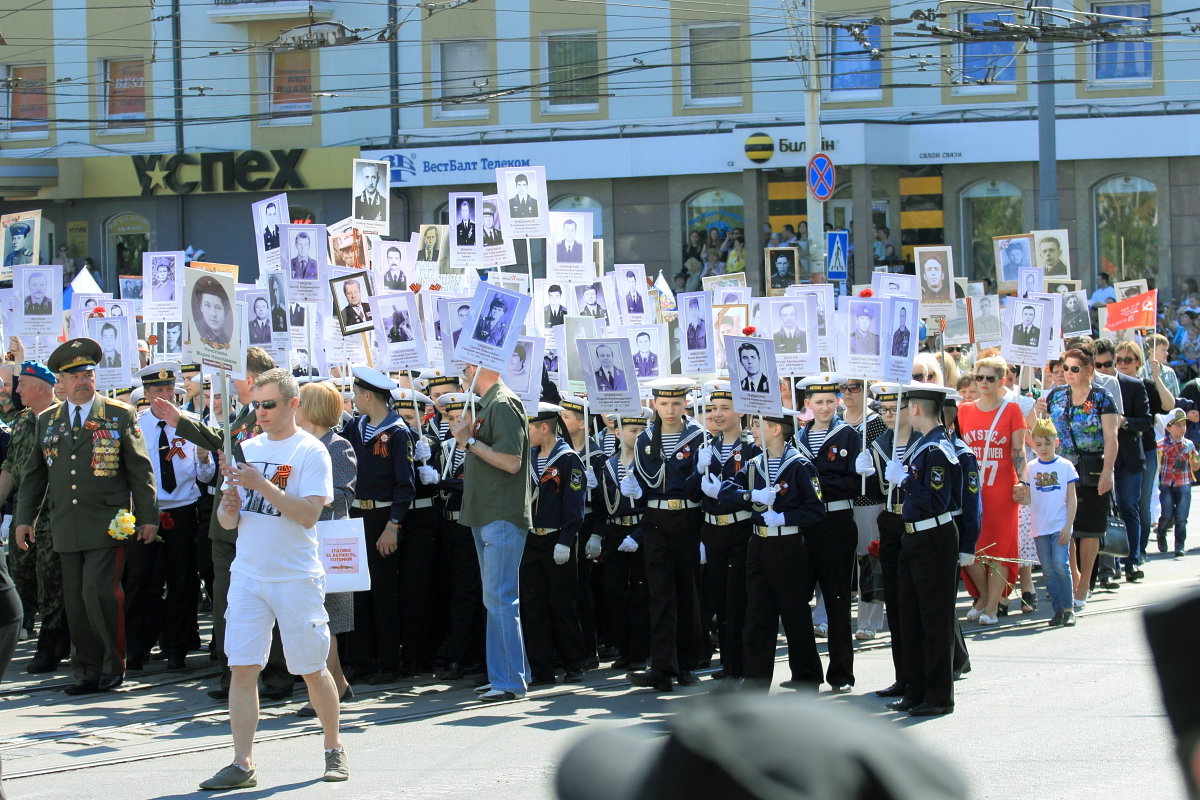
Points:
(156, 176)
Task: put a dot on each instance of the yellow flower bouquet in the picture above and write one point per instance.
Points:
(123, 525)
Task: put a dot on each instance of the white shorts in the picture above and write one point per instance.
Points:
(253, 608)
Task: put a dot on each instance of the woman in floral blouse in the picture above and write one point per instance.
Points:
(1086, 420)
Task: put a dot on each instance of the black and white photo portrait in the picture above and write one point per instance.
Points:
(276, 294)
(590, 301)
(37, 298)
(1051, 248)
(162, 271)
(935, 269)
(1026, 330)
(212, 312)
(864, 333)
(751, 374)
(259, 332)
(492, 327)
(609, 376)
(522, 202)
(465, 231)
(351, 294)
(371, 193)
(789, 332)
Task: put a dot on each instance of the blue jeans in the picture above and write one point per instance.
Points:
(1128, 486)
(1176, 502)
(1056, 570)
(500, 546)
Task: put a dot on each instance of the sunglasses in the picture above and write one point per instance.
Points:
(1126, 359)
(1103, 364)
(953, 349)
(267, 404)
(1073, 369)
(986, 378)
(852, 388)
(921, 377)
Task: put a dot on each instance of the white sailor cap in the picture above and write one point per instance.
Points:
(453, 401)
(672, 386)
(160, 373)
(408, 398)
(372, 379)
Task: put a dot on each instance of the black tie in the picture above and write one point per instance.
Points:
(166, 468)
(77, 424)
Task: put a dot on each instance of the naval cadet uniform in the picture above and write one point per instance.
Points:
(891, 534)
(418, 553)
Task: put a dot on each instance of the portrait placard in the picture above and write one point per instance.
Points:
(728, 320)
(524, 374)
(1053, 322)
(901, 337)
(729, 279)
(492, 327)
(862, 353)
(753, 378)
(1053, 252)
(1061, 285)
(824, 310)
(695, 314)
(392, 264)
(570, 367)
(352, 291)
(371, 195)
(81, 306)
(1029, 281)
(782, 269)
(258, 318)
(212, 336)
(1076, 319)
(433, 266)
(935, 270)
(608, 373)
(569, 254)
(552, 299)
(302, 256)
(594, 299)
(525, 191)
(452, 312)
(168, 339)
(634, 306)
(20, 237)
(987, 312)
(466, 240)
(39, 312)
(1128, 289)
(267, 216)
(498, 249)
(1012, 253)
(651, 353)
(398, 332)
(162, 275)
(118, 353)
(790, 325)
(1027, 331)
(890, 284)
(959, 328)
(347, 248)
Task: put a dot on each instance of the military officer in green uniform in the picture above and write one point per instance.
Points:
(90, 465)
(277, 681)
(36, 388)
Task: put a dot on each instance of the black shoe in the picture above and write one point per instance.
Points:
(83, 687)
(927, 710)
(1068, 619)
(1179, 553)
(1057, 620)
(1028, 602)
(651, 679)
(1162, 543)
(275, 693)
(448, 672)
(903, 704)
(687, 678)
(636, 666)
(205, 605)
(591, 663)
(1134, 575)
(1108, 584)
(218, 694)
(608, 653)
(135, 663)
(719, 675)
(573, 676)
(543, 681)
(620, 662)
(176, 662)
(475, 671)
(39, 664)
(895, 690)
(109, 682)
(1002, 610)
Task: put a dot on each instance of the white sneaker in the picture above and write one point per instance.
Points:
(487, 687)
(864, 634)
(987, 619)
(973, 614)
(1079, 604)
(821, 629)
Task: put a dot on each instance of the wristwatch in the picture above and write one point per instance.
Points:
(467, 445)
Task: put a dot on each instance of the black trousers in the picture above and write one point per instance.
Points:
(376, 635)
(549, 620)
(204, 559)
(585, 601)
(779, 585)
(724, 588)
(154, 567)
(625, 597)
(672, 545)
(928, 586)
(418, 548)
(831, 551)
(891, 533)
(459, 571)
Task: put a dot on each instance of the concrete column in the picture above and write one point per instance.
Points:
(864, 228)
(754, 198)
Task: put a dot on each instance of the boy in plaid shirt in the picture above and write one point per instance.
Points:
(1178, 458)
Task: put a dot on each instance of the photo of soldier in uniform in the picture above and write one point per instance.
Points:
(935, 269)
(37, 301)
(1051, 248)
(212, 312)
(1026, 331)
(647, 356)
(591, 301)
(609, 376)
(370, 189)
(788, 331)
(864, 335)
(750, 363)
(351, 294)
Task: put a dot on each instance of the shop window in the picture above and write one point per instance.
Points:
(1127, 60)
(712, 75)
(125, 94)
(462, 69)
(572, 62)
(849, 64)
(1126, 209)
(989, 208)
(27, 102)
(126, 237)
(714, 208)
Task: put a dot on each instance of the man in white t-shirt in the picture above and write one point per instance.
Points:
(278, 492)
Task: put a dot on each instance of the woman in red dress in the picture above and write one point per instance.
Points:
(994, 428)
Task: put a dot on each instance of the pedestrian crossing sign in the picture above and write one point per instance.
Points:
(836, 245)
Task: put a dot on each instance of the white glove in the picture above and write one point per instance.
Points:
(772, 519)
(966, 559)
(591, 550)
(562, 554)
(764, 497)
(895, 472)
(710, 485)
(863, 465)
(422, 451)
(627, 545)
(427, 474)
(703, 456)
(592, 483)
(703, 555)
(630, 486)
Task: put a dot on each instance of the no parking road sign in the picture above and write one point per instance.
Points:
(821, 177)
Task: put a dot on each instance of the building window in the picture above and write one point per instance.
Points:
(463, 72)
(714, 208)
(125, 94)
(1126, 209)
(989, 208)
(849, 63)
(712, 75)
(985, 63)
(1124, 60)
(572, 62)
(28, 103)
(291, 83)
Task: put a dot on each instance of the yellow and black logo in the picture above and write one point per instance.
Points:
(759, 148)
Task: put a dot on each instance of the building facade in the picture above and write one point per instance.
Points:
(658, 118)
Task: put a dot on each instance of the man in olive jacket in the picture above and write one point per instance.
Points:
(277, 682)
(90, 464)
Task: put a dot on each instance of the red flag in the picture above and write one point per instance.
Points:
(1138, 311)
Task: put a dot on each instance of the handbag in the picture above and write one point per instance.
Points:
(342, 545)
(1090, 464)
(1115, 541)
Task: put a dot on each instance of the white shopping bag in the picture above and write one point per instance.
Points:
(343, 549)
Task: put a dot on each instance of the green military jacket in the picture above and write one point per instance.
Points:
(86, 478)
(210, 437)
(20, 447)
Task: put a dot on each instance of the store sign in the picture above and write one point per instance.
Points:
(247, 171)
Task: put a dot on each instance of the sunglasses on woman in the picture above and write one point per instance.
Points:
(986, 378)
(953, 349)
(922, 377)
(1126, 359)
(852, 388)
(1073, 369)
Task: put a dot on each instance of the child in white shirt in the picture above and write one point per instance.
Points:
(1051, 480)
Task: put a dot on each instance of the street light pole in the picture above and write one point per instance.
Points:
(1047, 203)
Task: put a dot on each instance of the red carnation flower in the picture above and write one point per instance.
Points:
(749, 330)
(166, 521)
(866, 292)
(873, 548)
